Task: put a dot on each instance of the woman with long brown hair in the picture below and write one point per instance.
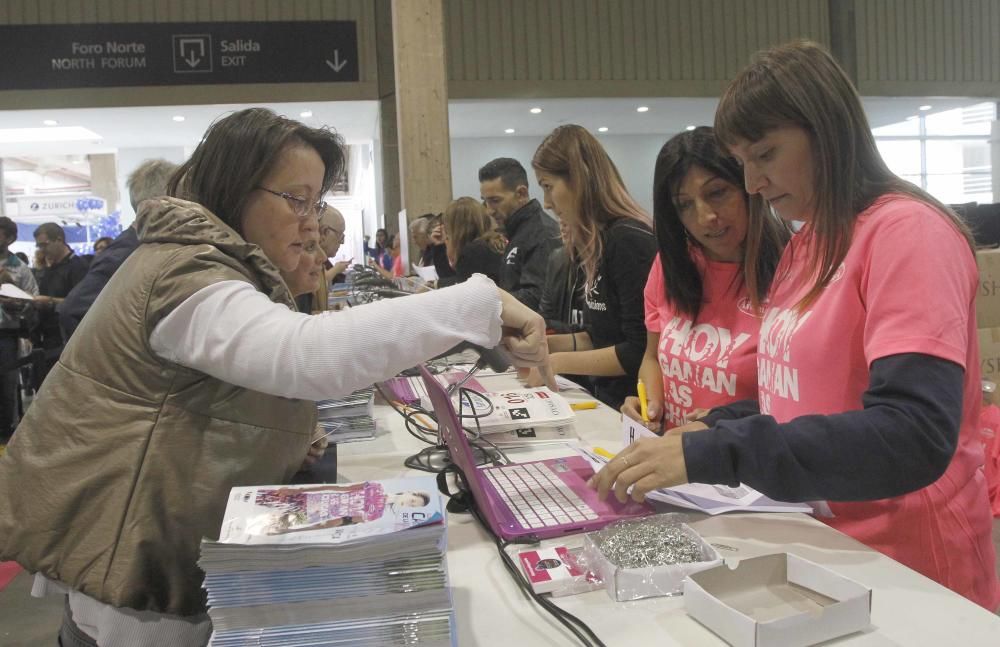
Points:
(868, 369)
(610, 237)
(474, 245)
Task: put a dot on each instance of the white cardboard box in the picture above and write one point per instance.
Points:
(779, 599)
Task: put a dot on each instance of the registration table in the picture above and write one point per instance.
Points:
(907, 608)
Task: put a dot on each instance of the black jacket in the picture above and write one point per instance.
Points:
(478, 257)
(83, 295)
(615, 306)
(531, 236)
(562, 297)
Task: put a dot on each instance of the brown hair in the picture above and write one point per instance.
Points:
(465, 220)
(800, 84)
(573, 154)
(237, 153)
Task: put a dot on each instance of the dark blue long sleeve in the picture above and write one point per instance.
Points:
(900, 441)
(82, 296)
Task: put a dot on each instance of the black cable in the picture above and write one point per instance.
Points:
(578, 627)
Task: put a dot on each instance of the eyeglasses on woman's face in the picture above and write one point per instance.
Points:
(300, 206)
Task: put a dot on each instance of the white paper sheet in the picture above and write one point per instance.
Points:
(11, 291)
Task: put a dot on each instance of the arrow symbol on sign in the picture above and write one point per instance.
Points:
(192, 60)
(336, 64)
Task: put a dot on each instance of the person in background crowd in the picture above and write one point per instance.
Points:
(420, 236)
(611, 240)
(38, 264)
(23, 257)
(332, 228)
(101, 244)
(148, 180)
(306, 285)
(562, 298)
(531, 234)
(868, 369)
(437, 251)
(198, 375)
(699, 318)
(307, 279)
(474, 245)
(64, 269)
(380, 252)
(12, 270)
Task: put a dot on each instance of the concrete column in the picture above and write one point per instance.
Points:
(104, 179)
(387, 136)
(421, 107)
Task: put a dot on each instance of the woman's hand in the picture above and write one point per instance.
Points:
(523, 332)
(316, 450)
(538, 376)
(654, 411)
(647, 464)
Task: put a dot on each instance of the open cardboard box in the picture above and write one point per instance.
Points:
(779, 599)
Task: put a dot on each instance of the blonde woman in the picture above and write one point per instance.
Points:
(473, 243)
(611, 239)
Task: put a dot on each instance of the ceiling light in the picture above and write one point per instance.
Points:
(642, 109)
(178, 118)
(535, 111)
(925, 108)
(689, 128)
(509, 131)
(305, 114)
(60, 134)
(602, 129)
(911, 117)
(50, 122)
(77, 161)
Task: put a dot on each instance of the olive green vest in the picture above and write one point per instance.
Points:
(125, 461)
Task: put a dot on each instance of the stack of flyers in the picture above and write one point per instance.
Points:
(353, 564)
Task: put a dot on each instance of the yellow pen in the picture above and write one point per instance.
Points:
(600, 451)
(643, 405)
(580, 406)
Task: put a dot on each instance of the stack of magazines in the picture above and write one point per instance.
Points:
(351, 564)
(518, 415)
(348, 419)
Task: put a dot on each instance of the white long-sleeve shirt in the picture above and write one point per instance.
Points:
(233, 332)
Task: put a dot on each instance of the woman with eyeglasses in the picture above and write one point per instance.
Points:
(193, 373)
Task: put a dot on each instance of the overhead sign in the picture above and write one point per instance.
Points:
(141, 54)
(35, 206)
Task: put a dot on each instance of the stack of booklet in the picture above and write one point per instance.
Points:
(351, 564)
(507, 412)
(348, 419)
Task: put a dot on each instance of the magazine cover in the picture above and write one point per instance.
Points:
(329, 513)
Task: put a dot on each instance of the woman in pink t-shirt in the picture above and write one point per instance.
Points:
(868, 368)
(701, 348)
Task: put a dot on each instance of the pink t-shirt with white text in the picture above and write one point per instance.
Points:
(710, 361)
(907, 285)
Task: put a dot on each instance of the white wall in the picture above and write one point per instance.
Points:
(634, 155)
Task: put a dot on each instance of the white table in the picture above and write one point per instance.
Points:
(907, 608)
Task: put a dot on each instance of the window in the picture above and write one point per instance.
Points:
(946, 153)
